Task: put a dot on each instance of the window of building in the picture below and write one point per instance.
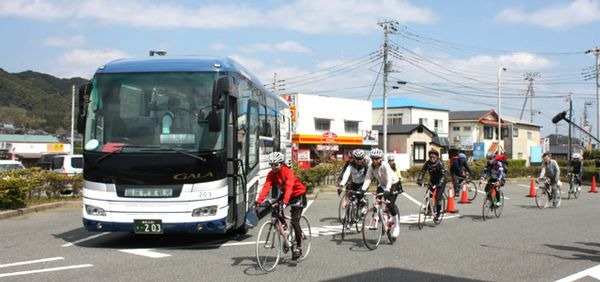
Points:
(467, 128)
(456, 128)
(419, 151)
(488, 132)
(515, 132)
(394, 118)
(351, 126)
(438, 125)
(423, 121)
(529, 135)
(322, 124)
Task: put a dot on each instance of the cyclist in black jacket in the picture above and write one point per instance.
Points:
(457, 163)
(437, 175)
(577, 168)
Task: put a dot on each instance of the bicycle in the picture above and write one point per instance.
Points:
(467, 185)
(543, 194)
(491, 201)
(373, 226)
(275, 238)
(343, 201)
(428, 207)
(574, 187)
(354, 212)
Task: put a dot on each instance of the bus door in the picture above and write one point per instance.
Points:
(235, 169)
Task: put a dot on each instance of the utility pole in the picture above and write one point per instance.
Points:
(586, 124)
(570, 118)
(388, 27)
(596, 52)
(73, 120)
(530, 76)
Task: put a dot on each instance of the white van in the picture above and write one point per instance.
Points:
(10, 164)
(69, 164)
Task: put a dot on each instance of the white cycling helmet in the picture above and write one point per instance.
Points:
(358, 154)
(391, 158)
(376, 153)
(576, 156)
(276, 157)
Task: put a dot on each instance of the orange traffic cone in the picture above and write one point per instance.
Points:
(531, 189)
(593, 188)
(464, 197)
(450, 207)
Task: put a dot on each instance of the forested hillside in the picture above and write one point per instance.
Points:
(36, 101)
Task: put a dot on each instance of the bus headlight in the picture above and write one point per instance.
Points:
(205, 211)
(94, 210)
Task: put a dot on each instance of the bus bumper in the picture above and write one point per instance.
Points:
(217, 226)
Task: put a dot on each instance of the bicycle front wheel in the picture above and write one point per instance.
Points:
(487, 207)
(372, 229)
(424, 212)
(471, 189)
(347, 219)
(343, 203)
(576, 191)
(500, 204)
(268, 247)
(541, 198)
(306, 238)
(558, 197)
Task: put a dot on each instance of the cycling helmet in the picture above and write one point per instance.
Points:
(376, 153)
(391, 158)
(433, 152)
(462, 156)
(358, 154)
(576, 156)
(490, 155)
(276, 157)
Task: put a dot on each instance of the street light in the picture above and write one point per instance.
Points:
(385, 115)
(500, 70)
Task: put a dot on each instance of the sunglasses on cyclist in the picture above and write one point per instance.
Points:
(275, 165)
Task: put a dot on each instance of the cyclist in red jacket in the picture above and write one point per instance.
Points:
(293, 193)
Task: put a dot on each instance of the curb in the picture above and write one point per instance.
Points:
(38, 208)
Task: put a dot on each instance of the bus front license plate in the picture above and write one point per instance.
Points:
(148, 226)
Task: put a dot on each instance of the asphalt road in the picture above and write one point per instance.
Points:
(524, 244)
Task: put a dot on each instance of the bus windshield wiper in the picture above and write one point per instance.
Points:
(117, 149)
(159, 148)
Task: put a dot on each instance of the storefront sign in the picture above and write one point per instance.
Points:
(328, 147)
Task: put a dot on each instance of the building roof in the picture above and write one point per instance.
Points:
(467, 115)
(402, 102)
(402, 128)
(515, 120)
(28, 138)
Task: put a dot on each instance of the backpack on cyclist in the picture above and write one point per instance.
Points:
(502, 159)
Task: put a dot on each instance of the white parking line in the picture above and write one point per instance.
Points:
(30, 262)
(145, 252)
(592, 272)
(84, 239)
(45, 270)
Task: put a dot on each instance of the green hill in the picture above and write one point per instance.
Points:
(33, 101)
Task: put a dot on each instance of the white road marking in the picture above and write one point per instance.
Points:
(45, 270)
(84, 239)
(307, 205)
(592, 272)
(30, 262)
(145, 252)
(412, 199)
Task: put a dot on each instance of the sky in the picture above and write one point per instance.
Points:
(449, 53)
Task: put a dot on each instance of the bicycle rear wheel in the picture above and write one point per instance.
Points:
(541, 198)
(306, 238)
(268, 247)
(487, 207)
(372, 229)
(471, 189)
(498, 209)
(442, 211)
(558, 197)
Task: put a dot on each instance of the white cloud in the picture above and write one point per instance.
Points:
(73, 41)
(83, 63)
(306, 16)
(286, 46)
(575, 13)
(218, 46)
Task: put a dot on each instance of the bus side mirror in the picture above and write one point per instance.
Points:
(221, 88)
(214, 120)
(84, 99)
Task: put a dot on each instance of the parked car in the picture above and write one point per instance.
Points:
(69, 164)
(45, 161)
(10, 164)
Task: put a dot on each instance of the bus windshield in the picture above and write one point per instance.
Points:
(131, 112)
